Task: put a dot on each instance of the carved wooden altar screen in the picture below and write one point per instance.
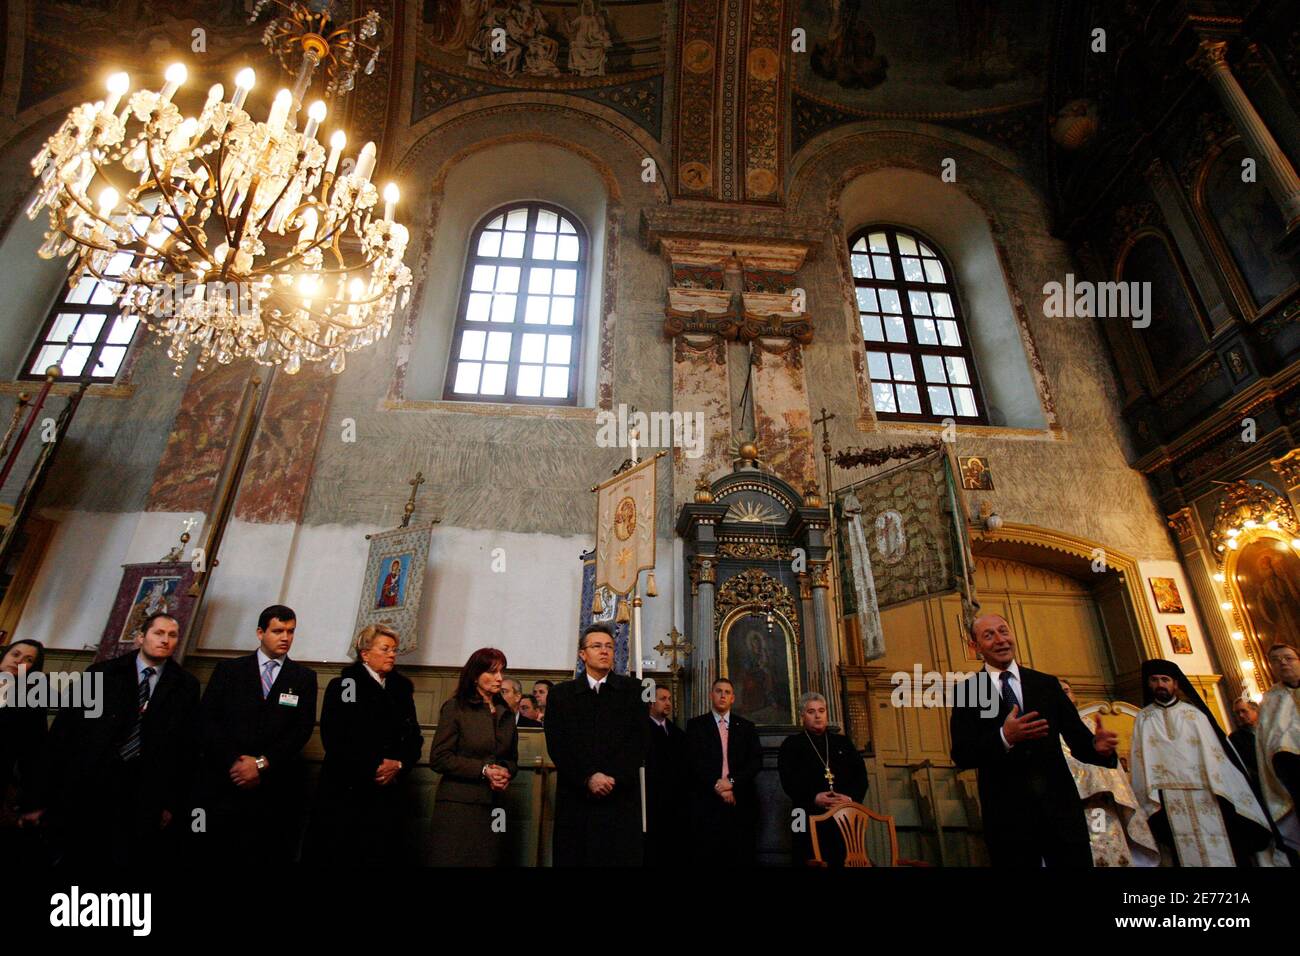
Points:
(757, 611)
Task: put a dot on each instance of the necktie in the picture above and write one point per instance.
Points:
(133, 743)
(1008, 695)
(724, 734)
(268, 678)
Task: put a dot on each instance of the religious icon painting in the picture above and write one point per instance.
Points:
(758, 656)
(975, 473)
(391, 591)
(1168, 600)
(1179, 639)
(395, 582)
(146, 589)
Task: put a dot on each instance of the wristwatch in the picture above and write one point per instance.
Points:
(261, 763)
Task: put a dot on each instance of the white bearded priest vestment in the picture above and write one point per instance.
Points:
(1179, 767)
(1278, 731)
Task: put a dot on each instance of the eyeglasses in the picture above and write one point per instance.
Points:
(599, 647)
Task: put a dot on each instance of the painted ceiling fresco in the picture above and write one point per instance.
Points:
(610, 51)
(70, 43)
(901, 56)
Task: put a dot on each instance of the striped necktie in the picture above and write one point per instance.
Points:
(268, 677)
(131, 748)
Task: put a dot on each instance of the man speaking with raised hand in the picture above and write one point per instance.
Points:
(1031, 808)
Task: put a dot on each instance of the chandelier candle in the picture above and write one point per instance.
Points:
(250, 215)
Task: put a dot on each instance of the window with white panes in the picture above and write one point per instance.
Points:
(518, 332)
(918, 351)
(84, 334)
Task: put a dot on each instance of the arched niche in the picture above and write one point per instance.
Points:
(1130, 629)
(1176, 336)
(1243, 224)
(960, 229)
(474, 183)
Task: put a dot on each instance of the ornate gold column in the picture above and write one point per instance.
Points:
(1199, 563)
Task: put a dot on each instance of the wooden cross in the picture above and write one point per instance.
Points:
(409, 510)
(674, 649)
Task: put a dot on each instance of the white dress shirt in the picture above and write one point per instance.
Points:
(375, 674)
(1016, 690)
(593, 683)
(262, 660)
(140, 665)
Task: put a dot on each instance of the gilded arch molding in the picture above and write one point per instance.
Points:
(1086, 550)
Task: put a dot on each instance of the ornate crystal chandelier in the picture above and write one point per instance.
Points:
(303, 35)
(222, 234)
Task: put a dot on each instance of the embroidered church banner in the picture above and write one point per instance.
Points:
(625, 526)
(908, 532)
(394, 582)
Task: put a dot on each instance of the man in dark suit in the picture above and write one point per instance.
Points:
(372, 742)
(258, 713)
(724, 757)
(1008, 722)
(1245, 714)
(596, 734)
(667, 819)
(120, 769)
(512, 692)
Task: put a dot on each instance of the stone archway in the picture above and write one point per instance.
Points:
(1112, 577)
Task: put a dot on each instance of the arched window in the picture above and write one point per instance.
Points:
(518, 331)
(918, 353)
(84, 333)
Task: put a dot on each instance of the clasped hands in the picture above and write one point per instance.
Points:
(600, 785)
(1017, 729)
(497, 776)
(723, 788)
(829, 799)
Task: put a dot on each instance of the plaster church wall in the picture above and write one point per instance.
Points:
(1071, 476)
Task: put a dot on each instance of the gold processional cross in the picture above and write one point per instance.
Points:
(673, 650)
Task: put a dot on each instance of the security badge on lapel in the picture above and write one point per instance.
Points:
(289, 699)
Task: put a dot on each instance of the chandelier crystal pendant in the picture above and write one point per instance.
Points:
(239, 238)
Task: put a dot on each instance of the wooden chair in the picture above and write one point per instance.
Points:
(854, 820)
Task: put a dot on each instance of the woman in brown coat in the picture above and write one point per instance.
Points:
(477, 751)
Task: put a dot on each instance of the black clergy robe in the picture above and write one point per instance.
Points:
(667, 811)
(587, 733)
(803, 776)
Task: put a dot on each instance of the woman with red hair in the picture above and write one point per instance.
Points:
(476, 751)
